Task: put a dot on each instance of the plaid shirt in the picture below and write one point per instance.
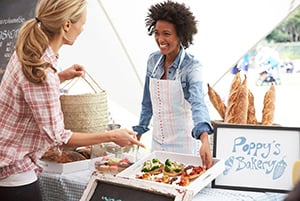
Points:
(31, 118)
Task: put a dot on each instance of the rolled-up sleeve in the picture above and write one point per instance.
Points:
(195, 95)
(43, 99)
(146, 112)
(146, 107)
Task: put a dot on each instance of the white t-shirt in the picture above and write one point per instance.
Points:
(20, 179)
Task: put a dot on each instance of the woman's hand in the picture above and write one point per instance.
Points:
(205, 152)
(75, 70)
(125, 137)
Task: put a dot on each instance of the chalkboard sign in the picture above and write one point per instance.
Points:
(113, 188)
(108, 191)
(256, 158)
(13, 14)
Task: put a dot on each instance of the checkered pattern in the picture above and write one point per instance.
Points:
(31, 117)
(63, 187)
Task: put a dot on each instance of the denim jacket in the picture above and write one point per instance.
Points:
(191, 82)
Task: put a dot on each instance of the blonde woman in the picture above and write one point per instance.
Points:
(31, 119)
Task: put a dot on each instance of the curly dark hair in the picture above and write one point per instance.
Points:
(177, 14)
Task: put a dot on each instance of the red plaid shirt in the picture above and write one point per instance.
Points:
(31, 119)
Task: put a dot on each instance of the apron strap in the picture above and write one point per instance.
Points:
(180, 62)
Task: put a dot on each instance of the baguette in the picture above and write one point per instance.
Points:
(269, 107)
(233, 92)
(241, 108)
(217, 102)
(236, 82)
(251, 117)
(238, 104)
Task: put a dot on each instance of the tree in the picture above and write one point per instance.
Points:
(288, 30)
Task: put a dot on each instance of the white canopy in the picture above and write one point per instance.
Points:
(114, 46)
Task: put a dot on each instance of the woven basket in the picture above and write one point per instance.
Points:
(86, 112)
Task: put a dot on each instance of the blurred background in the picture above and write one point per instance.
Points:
(257, 37)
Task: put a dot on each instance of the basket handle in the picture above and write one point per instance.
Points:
(90, 81)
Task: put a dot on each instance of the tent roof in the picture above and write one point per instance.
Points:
(114, 46)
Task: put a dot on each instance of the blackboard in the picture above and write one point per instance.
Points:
(103, 187)
(107, 191)
(13, 13)
(256, 158)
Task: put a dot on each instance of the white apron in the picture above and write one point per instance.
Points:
(172, 118)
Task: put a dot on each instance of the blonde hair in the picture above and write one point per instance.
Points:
(35, 34)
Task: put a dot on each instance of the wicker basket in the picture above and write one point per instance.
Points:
(86, 112)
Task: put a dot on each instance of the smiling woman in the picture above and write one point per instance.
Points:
(173, 93)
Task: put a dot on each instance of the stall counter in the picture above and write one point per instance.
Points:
(70, 187)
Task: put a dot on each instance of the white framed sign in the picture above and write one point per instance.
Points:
(256, 158)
